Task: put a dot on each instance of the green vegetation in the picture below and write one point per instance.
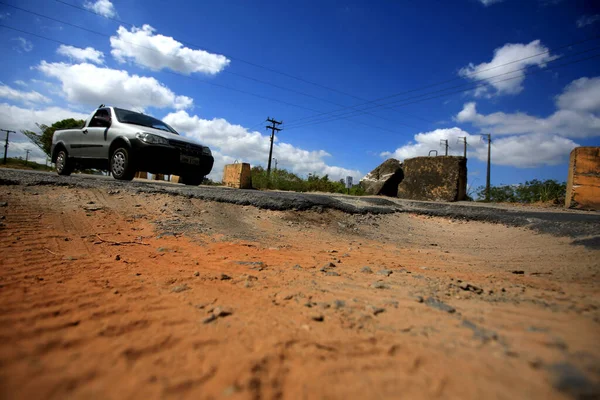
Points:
(282, 179)
(19, 163)
(44, 140)
(528, 192)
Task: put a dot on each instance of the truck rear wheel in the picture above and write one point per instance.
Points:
(121, 164)
(64, 166)
(192, 180)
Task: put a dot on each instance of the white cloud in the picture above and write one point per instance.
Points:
(81, 55)
(23, 45)
(93, 85)
(507, 54)
(234, 142)
(18, 95)
(21, 83)
(155, 51)
(102, 7)
(587, 20)
(18, 118)
(517, 151)
(577, 114)
(490, 2)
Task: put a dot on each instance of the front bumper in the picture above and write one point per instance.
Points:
(163, 159)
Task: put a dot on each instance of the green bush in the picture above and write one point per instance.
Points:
(528, 192)
(282, 179)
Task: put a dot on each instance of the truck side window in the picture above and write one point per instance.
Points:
(101, 115)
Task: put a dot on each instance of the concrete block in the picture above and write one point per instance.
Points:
(583, 182)
(384, 179)
(442, 178)
(237, 176)
(141, 175)
(176, 179)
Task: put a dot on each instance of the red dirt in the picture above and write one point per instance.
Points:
(84, 317)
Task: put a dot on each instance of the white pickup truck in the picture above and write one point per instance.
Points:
(124, 142)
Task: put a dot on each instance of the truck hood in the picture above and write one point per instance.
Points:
(167, 135)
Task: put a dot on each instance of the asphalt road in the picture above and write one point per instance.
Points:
(583, 227)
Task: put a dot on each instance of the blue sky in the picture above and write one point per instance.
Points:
(292, 61)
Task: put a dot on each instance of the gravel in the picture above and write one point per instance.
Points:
(582, 226)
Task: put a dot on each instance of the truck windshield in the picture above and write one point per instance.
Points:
(130, 117)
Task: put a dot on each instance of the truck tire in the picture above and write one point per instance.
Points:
(64, 166)
(121, 164)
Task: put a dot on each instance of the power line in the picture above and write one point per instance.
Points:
(459, 77)
(274, 128)
(350, 114)
(198, 62)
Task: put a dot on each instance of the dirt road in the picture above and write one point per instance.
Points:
(106, 293)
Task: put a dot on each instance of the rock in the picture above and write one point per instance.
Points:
(222, 311)
(69, 258)
(480, 333)
(3, 204)
(225, 277)
(332, 273)
(379, 285)
(162, 249)
(366, 270)
(375, 310)
(385, 272)
(518, 272)
(196, 273)
(471, 288)
(209, 319)
(384, 179)
(339, 304)
(431, 302)
(297, 267)
(180, 288)
(118, 257)
(317, 317)
(442, 178)
(570, 380)
(329, 265)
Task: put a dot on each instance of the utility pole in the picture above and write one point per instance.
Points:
(275, 163)
(273, 128)
(464, 140)
(487, 180)
(6, 143)
(27, 156)
(444, 142)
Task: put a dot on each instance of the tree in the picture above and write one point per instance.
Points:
(44, 140)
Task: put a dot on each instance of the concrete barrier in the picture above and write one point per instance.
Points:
(583, 182)
(141, 175)
(442, 178)
(237, 176)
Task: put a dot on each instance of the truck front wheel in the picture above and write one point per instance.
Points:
(64, 166)
(121, 164)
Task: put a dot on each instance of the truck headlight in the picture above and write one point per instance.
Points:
(206, 151)
(151, 139)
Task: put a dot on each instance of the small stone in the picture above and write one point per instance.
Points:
(137, 274)
(225, 277)
(69, 258)
(518, 272)
(328, 265)
(116, 292)
(67, 239)
(332, 273)
(196, 273)
(385, 272)
(375, 310)
(162, 249)
(366, 270)
(3, 204)
(180, 288)
(222, 311)
(209, 319)
(379, 285)
(471, 288)
(297, 267)
(117, 257)
(431, 302)
(317, 317)
(339, 304)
